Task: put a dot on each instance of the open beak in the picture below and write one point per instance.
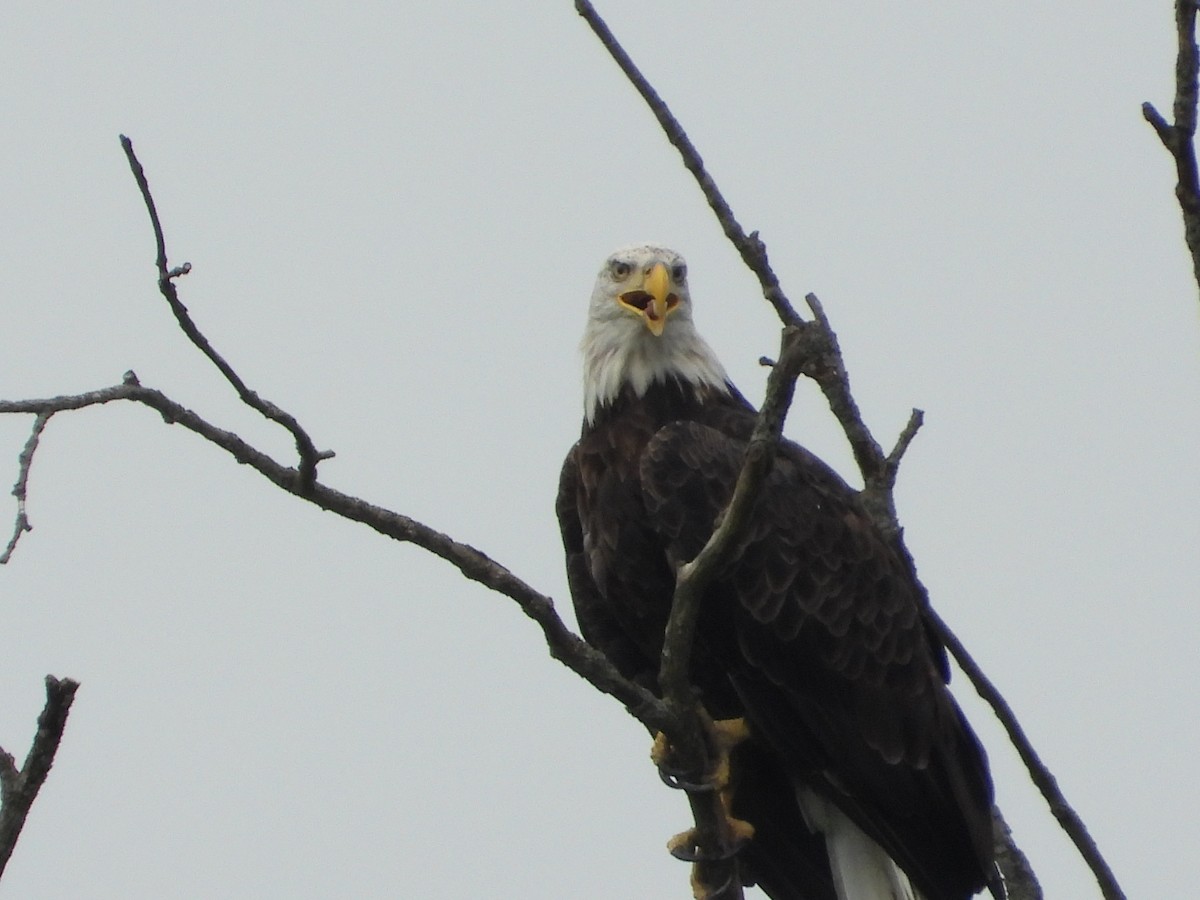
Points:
(653, 301)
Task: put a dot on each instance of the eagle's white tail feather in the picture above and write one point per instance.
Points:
(862, 870)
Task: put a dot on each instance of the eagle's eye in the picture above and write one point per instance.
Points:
(679, 272)
(619, 269)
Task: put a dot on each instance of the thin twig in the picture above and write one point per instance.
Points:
(1179, 137)
(19, 788)
(24, 461)
(309, 455)
(752, 250)
(878, 471)
(891, 466)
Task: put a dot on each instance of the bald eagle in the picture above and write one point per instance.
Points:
(861, 778)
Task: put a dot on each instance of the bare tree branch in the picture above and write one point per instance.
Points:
(24, 461)
(1020, 882)
(892, 464)
(309, 455)
(1179, 137)
(804, 346)
(879, 477)
(1041, 776)
(19, 788)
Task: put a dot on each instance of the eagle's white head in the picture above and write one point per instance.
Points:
(640, 329)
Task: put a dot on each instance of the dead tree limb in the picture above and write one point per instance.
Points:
(1039, 773)
(1179, 137)
(752, 250)
(309, 455)
(19, 787)
(564, 645)
(693, 580)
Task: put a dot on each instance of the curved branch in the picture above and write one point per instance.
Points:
(309, 455)
(564, 645)
(1041, 776)
(879, 479)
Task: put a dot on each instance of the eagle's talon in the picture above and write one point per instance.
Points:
(723, 736)
(673, 778)
(685, 847)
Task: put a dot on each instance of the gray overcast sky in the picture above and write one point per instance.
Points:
(395, 214)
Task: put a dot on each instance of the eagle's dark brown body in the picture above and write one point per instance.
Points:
(814, 633)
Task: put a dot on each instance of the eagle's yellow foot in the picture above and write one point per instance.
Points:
(722, 736)
(660, 754)
(684, 846)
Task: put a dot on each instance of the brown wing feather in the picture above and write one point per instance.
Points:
(598, 622)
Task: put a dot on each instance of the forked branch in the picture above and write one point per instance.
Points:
(19, 787)
(309, 455)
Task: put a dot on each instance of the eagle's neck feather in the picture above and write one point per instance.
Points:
(610, 366)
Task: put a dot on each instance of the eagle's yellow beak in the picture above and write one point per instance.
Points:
(653, 301)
